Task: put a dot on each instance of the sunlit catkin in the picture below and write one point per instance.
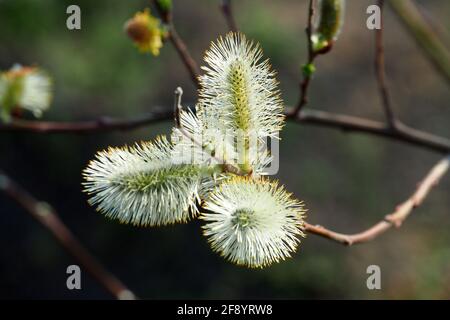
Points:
(141, 185)
(253, 222)
(239, 92)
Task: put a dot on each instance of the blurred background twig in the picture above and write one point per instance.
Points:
(381, 73)
(394, 219)
(434, 49)
(90, 126)
(47, 217)
(227, 11)
(178, 43)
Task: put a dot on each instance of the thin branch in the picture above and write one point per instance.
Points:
(90, 126)
(179, 44)
(228, 167)
(436, 52)
(48, 218)
(184, 54)
(394, 219)
(381, 73)
(228, 14)
(402, 133)
(304, 85)
(177, 107)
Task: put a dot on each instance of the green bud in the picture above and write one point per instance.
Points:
(308, 69)
(328, 24)
(165, 5)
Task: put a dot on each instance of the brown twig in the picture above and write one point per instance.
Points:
(179, 44)
(381, 73)
(46, 215)
(90, 126)
(436, 52)
(394, 219)
(304, 85)
(228, 14)
(184, 54)
(402, 133)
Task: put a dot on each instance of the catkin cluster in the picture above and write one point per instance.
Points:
(249, 219)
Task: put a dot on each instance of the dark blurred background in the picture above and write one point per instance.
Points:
(348, 181)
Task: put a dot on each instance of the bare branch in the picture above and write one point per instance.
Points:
(48, 218)
(436, 52)
(184, 54)
(394, 219)
(228, 14)
(381, 73)
(402, 133)
(179, 44)
(304, 85)
(102, 124)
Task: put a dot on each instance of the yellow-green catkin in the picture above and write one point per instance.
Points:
(328, 24)
(146, 32)
(240, 98)
(10, 97)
